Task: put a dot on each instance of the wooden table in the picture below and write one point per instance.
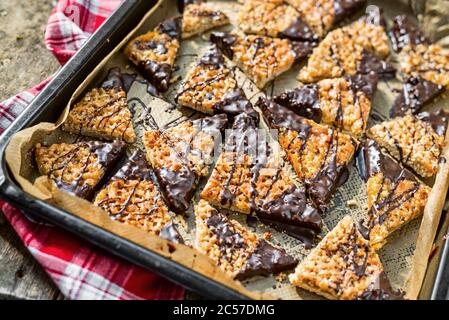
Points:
(21, 277)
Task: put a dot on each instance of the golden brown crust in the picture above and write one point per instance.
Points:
(411, 141)
(430, 62)
(340, 52)
(183, 145)
(342, 107)
(392, 204)
(311, 155)
(342, 266)
(138, 52)
(318, 14)
(134, 202)
(205, 86)
(199, 17)
(230, 258)
(77, 168)
(102, 113)
(66, 162)
(266, 18)
(230, 184)
(262, 58)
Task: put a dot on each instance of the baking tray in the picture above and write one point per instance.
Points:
(47, 106)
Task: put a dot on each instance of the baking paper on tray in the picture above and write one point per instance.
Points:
(404, 256)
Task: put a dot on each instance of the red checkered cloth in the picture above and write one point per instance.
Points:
(80, 270)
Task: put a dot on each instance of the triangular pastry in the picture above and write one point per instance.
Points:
(248, 179)
(261, 58)
(78, 168)
(234, 248)
(103, 112)
(414, 140)
(132, 198)
(154, 53)
(198, 17)
(211, 87)
(395, 196)
(345, 267)
(344, 103)
(319, 155)
(181, 155)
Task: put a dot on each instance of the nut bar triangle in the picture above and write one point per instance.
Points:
(360, 47)
(181, 155)
(132, 198)
(274, 18)
(261, 58)
(414, 140)
(423, 64)
(319, 155)
(210, 87)
(78, 168)
(103, 112)
(345, 267)
(248, 179)
(395, 196)
(198, 17)
(344, 103)
(234, 248)
(154, 53)
(322, 15)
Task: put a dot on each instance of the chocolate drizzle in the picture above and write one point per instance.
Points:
(304, 101)
(405, 32)
(346, 8)
(234, 101)
(114, 80)
(225, 41)
(170, 233)
(107, 155)
(228, 238)
(159, 74)
(381, 289)
(416, 92)
(136, 169)
(291, 209)
(438, 120)
(370, 63)
(266, 260)
(371, 161)
(178, 186)
(299, 31)
(330, 176)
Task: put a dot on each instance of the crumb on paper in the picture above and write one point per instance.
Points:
(280, 277)
(267, 235)
(352, 203)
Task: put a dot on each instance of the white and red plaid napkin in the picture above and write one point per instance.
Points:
(80, 270)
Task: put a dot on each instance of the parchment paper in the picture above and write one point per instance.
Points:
(404, 265)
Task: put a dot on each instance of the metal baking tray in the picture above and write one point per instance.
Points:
(47, 106)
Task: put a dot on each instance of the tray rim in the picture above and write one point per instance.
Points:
(65, 77)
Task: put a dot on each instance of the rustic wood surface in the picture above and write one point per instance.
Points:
(24, 62)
